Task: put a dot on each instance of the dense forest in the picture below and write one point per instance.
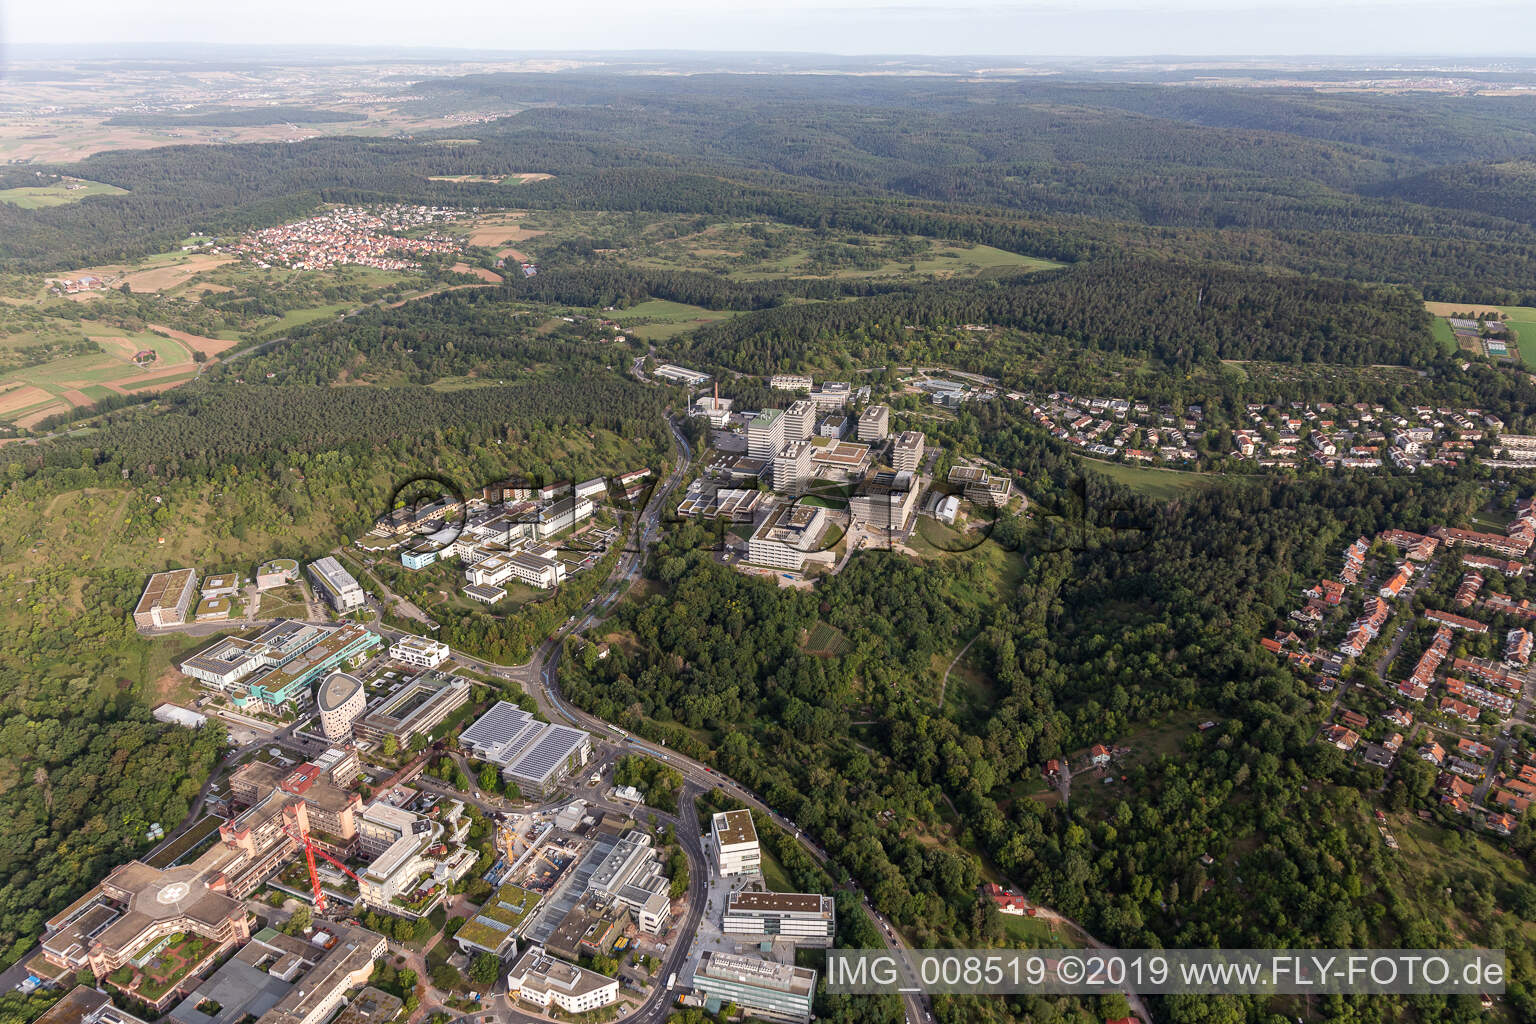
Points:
(1178, 314)
(1343, 186)
(233, 117)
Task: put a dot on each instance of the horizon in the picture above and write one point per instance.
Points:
(1042, 31)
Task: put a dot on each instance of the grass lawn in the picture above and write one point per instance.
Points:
(194, 835)
(299, 317)
(1033, 931)
(1520, 319)
(1443, 334)
(657, 319)
(1157, 484)
(42, 196)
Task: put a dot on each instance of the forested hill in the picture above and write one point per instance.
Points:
(266, 425)
(1340, 186)
(1175, 312)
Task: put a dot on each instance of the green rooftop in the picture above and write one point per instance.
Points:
(501, 916)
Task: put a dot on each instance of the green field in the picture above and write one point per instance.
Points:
(43, 196)
(1157, 484)
(1443, 334)
(658, 319)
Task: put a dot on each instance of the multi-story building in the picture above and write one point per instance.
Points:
(536, 755)
(800, 420)
(874, 423)
(275, 670)
(832, 394)
(136, 909)
(885, 501)
(765, 434)
(419, 706)
(981, 487)
(546, 981)
(790, 382)
(223, 584)
(591, 928)
(787, 536)
(907, 451)
(736, 848)
(336, 585)
(276, 573)
(166, 599)
(781, 991)
(792, 467)
(631, 874)
(833, 426)
(680, 374)
(561, 515)
(340, 700)
(419, 652)
(330, 810)
(805, 918)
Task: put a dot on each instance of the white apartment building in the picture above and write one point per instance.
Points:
(800, 420)
(792, 467)
(907, 452)
(765, 434)
(546, 981)
(790, 382)
(874, 423)
(736, 848)
(419, 651)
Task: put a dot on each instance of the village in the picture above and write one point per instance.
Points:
(358, 235)
(1422, 645)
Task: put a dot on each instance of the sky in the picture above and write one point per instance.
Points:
(1040, 28)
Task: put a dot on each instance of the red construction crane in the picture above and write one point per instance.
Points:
(310, 849)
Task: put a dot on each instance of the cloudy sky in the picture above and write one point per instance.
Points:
(1015, 27)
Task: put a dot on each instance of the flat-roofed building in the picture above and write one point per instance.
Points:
(484, 593)
(833, 426)
(340, 700)
(370, 1006)
(337, 586)
(787, 536)
(419, 706)
(561, 515)
(792, 467)
(765, 435)
(419, 652)
(800, 420)
(276, 573)
(840, 460)
(736, 848)
(331, 810)
(382, 825)
(885, 501)
(631, 874)
(288, 683)
(166, 599)
(536, 570)
(907, 451)
(546, 981)
(779, 991)
(680, 374)
(735, 504)
(874, 423)
(495, 927)
(790, 382)
(808, 919)
(538, 756)
(591, 928)
(981, 486)
(223, 584)
(832, 394)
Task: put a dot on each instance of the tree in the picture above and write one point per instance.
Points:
(484, 969)
(490, 779)
(299, 922)
(391, 745)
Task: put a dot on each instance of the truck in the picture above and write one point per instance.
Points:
(671, 981)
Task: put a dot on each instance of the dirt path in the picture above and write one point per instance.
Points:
(944, 686)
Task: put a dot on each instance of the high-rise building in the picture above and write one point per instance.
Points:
(736, 848)
(907, 451)
(340, 700)
(792, 467)
(765, 434)
(874, 423)
(800, 420)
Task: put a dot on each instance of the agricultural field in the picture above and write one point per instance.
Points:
(73, 190)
